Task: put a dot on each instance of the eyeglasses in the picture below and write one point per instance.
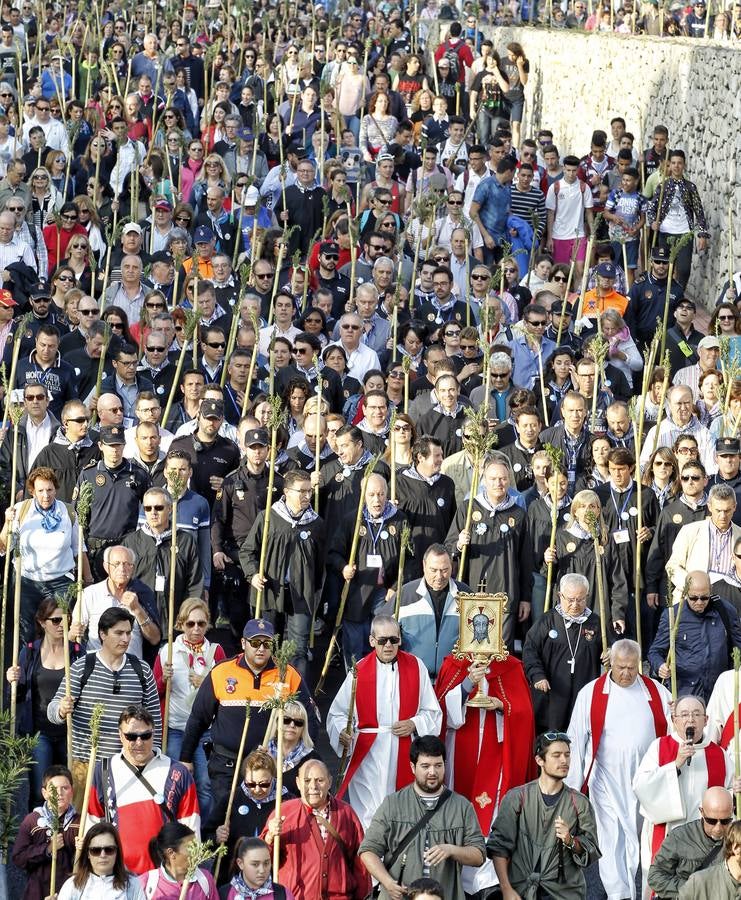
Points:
(129, 364)
(115, 324)
(43, 108)
(69, 217)
(65, 278)
(263, 275)
(133, 736)
(156, 507)
(155, 349)
(16, 208)
(183, 219)
(302, 350)
(451, 333)
(510, 271)
(105, 850)
(155, 305)
(726, 318)
(351, 327)
(455, 203)
(256, 643)
(685, 450)
(537, 323)
(259, 784)
(698, 598)
(663, 463)
(690, 477)
(557, 736)
(479, 277)
(402, 428)
(35, 398)
(441, 259)
(216, 344)
(55, 620)
(201, 623)
(500, 374)
(393, 640)
(711, 821)
(78, 420)
(289, 720)
(560, 278)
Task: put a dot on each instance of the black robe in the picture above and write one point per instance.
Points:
(339, 488)
(522, 463)
(447, 429)
(364, 586)
(429, 509)
(294, 564)
(539, 528)
(673, 517)
(500, 554)
(613, 504)
(546, 656)
(305, 210)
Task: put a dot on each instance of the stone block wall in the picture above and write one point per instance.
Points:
(580, 81)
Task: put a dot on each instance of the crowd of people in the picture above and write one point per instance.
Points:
(301, 349)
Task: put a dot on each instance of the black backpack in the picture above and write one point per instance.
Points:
(136, 665)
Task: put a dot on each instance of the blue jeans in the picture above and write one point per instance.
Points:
(47, 752)
(353, 123)
(538, 596)
(32, 593)
(200, 767)
(297, 629)
(355, 641)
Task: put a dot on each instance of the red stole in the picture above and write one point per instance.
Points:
(367, 713)
(727, 733)
(716, 763)
(599, 711)
(486, 774)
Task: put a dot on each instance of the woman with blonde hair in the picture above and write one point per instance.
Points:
(193, 657)
(213, 174)
(575, 552)
(45, 198)
(90, 219)
(298, 746)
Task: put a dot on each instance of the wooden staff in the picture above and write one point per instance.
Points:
(406, 544)
(278, 788)
(469, 512)
(672, 638)
(406, 365)
(654, 237)
(594, 528)
(318, 425)
(349, 727)
(675, 247)
(736, 755)
(251, 371)
(392, 460)
(16, 414)
(95, 718)
(17, 337)
(189, 328)
(53, 803)
(175, 489)
(276, 277)
(351, 562)
(662, 400)
(556, 456)
(275, 420)
(585, 274)
(235, 779)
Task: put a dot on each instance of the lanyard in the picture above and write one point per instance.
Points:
(374, 537)
(621, 512)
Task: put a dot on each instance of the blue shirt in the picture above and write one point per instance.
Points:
(494, 202)
(525, 369)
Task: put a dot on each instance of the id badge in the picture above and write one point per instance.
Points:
(159, 582)
(373, 561)
(685, 348)
(621, 536)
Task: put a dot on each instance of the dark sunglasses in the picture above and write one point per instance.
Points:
(479, 277)
(88, 312)
(393, 640)
(256, 643)
(691, 477)
(77, 419)
(105, 850)
(157, 507)
(699, 598)
(712, 821)
(216, 344)
(55, 620)
(200, 624)
(265, 785)
(289, 720)
(560, 278)
(155, 349)
(133, 736)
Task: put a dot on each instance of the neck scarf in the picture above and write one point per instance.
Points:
(293, 757)
(694, 506)
(576, 529)
(245, 891)
(499, 507)
(387, 512)
(305, 518)
(50, 518)
(269, 799)
(573, 620)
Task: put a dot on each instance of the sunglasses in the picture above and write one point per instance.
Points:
(557, 736)
(256, 643)
(216, 344)
(402, 428)
(700, 598)
(155, 349)
(393, 640)
(560, 278)
(157, 507)
(289, 720)
(115, 324)
(691, 477)
(133, 736)
(479, 277)
(712, 821)
(65, 278)
(199, 624)
(105, 850)
(441, 258)
(15, 208)
(78, 420)
(55, 620)
(264, 785)
(35, 397)
(537, 323)
(351, 327)
(155, 305)
(500, 374)
(455, 203)
(661, 462)
(451, 333)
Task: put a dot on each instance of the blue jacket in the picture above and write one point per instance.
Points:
(419, 634)
(702, 646)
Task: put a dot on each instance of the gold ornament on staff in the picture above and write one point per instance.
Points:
(480, 622)
(479, 442)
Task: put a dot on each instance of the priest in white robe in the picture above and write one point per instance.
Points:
(720, 709)
(394, 700)
(675, 773)
(606, 752)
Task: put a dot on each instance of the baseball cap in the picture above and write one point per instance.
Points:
(562, 307)
(163, 203)
(112, 435)
(258, 437)
(727, 446)
(660, 254)
(251, 196)
(131, 226)
(708, 342)
(203, 235)
(244, 134)
(6, 298)
(329, 247)
(39, 290)
(212, 409)
(297, 149)
(258, 628)
(685, 301)
(160, 257)
(606, 270)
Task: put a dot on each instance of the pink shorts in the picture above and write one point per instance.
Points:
(562, 250)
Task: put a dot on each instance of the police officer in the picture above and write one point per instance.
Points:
(213, 456)
(728, 458)
(647, 296)
(241, 497)
(118, 487)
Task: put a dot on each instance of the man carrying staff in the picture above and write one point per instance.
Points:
(393, 700)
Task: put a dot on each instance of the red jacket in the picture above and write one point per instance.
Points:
(315, 869)
(465, 56)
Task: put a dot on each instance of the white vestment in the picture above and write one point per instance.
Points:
(473, 879)
(375, 777)
(720, 705)
(666, 796)
(621, 749)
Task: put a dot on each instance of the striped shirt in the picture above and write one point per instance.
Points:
(116, 690)
(523, 204)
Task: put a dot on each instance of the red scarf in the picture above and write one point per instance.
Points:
(716, 764)
(367, 713)
(599, 711)
(513, 758)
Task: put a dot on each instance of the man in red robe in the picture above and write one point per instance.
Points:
(490, 747)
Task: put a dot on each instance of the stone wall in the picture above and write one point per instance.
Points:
(580, 81)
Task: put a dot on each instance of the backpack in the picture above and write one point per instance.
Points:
(451, 55)
(136, 665)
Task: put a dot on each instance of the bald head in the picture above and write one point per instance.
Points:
(716, 810)
(376, 494)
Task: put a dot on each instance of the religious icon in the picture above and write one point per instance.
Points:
(480, 619)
